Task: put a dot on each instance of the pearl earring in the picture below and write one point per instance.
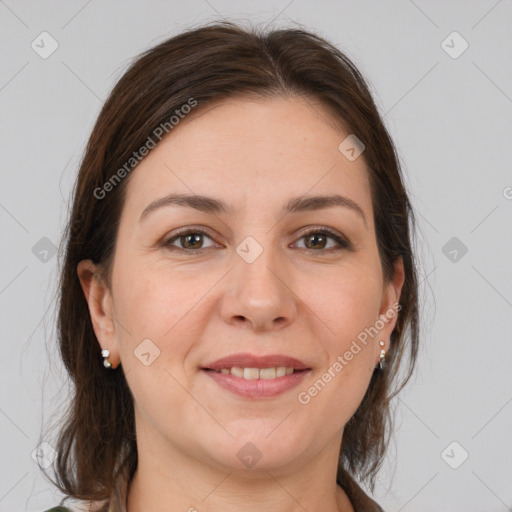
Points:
(106, 363)
(382, 358)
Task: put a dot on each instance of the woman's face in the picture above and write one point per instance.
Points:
(260, 282)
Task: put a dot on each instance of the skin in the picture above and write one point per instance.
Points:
(309, 302)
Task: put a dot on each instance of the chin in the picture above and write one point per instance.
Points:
(253, 453)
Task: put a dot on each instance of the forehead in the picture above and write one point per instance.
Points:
(250, 150)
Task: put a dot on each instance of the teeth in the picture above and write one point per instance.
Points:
(257, 373)
(267, 373)
(251, 373)
(237, 372)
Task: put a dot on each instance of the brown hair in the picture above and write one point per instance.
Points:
(210, 63)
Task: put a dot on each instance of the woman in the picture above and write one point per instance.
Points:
(237, 282)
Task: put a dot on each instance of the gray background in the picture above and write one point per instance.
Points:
(451, 120)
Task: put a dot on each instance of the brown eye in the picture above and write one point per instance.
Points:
(319, 239)
(192, 240)
(316, 240)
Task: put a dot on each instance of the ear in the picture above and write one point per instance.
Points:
(389, 308)
(99, 300)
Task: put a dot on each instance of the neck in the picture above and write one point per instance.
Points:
(172, 480)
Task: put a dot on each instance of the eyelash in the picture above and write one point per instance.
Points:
(343, 243)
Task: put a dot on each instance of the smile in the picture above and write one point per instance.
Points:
(256, 373)
(256, 377)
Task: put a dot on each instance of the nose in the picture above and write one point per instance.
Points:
(259, 294)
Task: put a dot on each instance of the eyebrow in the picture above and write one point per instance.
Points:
(217, 206)
(201, 203)
(306, 203)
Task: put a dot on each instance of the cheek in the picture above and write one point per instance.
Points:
(152, 302)
(349, 303)
(154, 309)
(164, 313)
(350, 308)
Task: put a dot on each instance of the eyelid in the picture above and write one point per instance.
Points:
(193, 229)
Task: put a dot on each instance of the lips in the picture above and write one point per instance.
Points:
(256, 376)
(250, 361)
